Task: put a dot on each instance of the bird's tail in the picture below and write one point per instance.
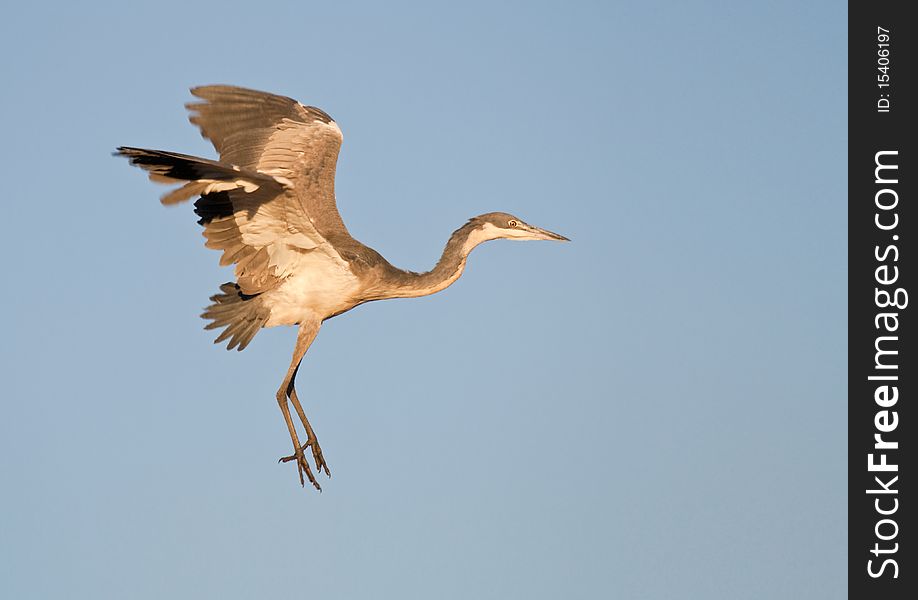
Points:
(241, 314)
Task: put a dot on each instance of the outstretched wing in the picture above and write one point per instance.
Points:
(269, 203)
(277, 136)
(254, 218)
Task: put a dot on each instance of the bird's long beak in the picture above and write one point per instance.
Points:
(544, 234)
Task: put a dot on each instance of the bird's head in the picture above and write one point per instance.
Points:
(501, 225)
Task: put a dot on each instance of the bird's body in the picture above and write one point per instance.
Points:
(319, 291)
(269, 205)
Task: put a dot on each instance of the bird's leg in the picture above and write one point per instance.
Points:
(301, 463)
(311, 440)
(306, 335)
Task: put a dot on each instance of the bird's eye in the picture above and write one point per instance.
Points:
(512, 223)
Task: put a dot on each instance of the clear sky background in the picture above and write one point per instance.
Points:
(656, 410)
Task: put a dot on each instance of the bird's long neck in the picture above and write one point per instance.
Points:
(448, 269)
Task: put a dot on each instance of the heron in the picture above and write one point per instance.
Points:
(268, 204)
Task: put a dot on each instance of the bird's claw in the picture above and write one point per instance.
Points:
(302, 464)
(321, 465)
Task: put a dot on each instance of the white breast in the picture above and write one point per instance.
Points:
(319, 288)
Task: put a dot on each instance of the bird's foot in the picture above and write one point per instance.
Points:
(321, 465)
(302, 464)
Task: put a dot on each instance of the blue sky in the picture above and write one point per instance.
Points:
(655, 410)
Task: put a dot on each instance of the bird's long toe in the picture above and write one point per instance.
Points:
(302, 466)
(321, 465)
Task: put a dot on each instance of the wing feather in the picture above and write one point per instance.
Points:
(269, 201)
(277, 136)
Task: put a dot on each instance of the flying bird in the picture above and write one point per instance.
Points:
(268, 204)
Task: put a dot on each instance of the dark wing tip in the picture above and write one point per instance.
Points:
(318, 114)
(135, 155)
